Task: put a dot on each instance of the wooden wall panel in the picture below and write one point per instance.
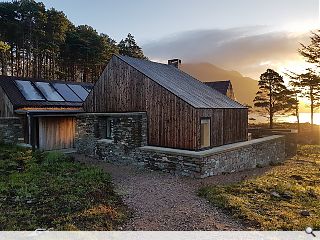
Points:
(56, 132)
(6, 108)
(227, 125)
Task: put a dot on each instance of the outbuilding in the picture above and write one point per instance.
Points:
(45, 110)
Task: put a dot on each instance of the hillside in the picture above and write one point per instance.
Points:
(245, 88)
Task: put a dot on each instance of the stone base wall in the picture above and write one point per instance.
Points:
(225, 159)
(290, 135)
(128, 133)
(128, 145)
(11, 131)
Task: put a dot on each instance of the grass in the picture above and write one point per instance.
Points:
(51, 191)
(277, 199)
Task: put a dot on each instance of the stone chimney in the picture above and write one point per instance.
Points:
(175, 62)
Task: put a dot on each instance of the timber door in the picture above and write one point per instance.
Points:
(56, 133)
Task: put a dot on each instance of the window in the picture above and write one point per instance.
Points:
(108, 128)
(205, 132)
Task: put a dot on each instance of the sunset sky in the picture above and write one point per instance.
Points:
(248, 35)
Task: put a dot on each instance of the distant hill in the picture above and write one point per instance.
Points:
(245, 88)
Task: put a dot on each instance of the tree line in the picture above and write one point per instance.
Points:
(275, 97)
(43, 43)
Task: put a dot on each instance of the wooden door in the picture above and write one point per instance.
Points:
(56, 133)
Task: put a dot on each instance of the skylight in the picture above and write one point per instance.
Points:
(49, 92)
(79, 90)
(66, 92)
(28, 90)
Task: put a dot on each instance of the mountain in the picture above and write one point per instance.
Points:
(245, 88)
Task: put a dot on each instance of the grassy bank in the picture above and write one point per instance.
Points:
(285, 198)
(51, 191)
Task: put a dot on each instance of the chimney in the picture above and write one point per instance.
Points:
(175, 62)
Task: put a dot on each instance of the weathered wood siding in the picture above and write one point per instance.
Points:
(6, 108)
(171, 121)
(227, 125)
(56, 132)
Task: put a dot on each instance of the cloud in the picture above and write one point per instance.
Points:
(249, 50)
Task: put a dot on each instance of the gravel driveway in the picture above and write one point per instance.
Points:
(164, 202)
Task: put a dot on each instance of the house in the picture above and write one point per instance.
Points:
(139, 112)
(45, 109)
(182, 112)
(224, 87)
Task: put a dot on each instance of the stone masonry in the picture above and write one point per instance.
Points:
(10, 130)
(225, 159)
(129, 132)
(128, 145)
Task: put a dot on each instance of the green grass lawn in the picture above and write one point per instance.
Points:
(50, 191)
(281, 199)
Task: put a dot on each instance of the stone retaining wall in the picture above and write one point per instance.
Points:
(290, 135)
(11, 130)
(225, 159)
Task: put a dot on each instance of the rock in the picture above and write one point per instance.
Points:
(296, 177)
(305, 213)
(275, 194)
(287, 195)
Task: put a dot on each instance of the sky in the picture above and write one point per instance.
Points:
(247, 35)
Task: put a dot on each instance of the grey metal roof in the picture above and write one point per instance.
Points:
(189, 89)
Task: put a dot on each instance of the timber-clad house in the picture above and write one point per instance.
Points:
(139, 112)
(182, 112)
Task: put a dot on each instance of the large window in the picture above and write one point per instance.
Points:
(205, 132)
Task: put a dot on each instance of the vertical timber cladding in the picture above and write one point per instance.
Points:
(227, 125)
(172, 122)
(122, 88)
(56, 132)
(6, 107)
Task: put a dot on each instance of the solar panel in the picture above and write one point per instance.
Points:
(49, 92)
(79, 90)
(28, 90)
(88, 88)
(66, 92)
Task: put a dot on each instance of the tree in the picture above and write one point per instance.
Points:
(43, 43)
(308, 86)
(129, 47)
(4, 49)
(311, 52)
(273, 96)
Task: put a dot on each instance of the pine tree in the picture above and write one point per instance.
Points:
(308, 86)
(273, 96)
(129, 47)
(311, 52)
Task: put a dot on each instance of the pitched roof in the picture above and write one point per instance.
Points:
(220, 86)
(7, 83)
(181, 84)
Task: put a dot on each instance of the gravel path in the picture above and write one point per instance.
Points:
(165, 202)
